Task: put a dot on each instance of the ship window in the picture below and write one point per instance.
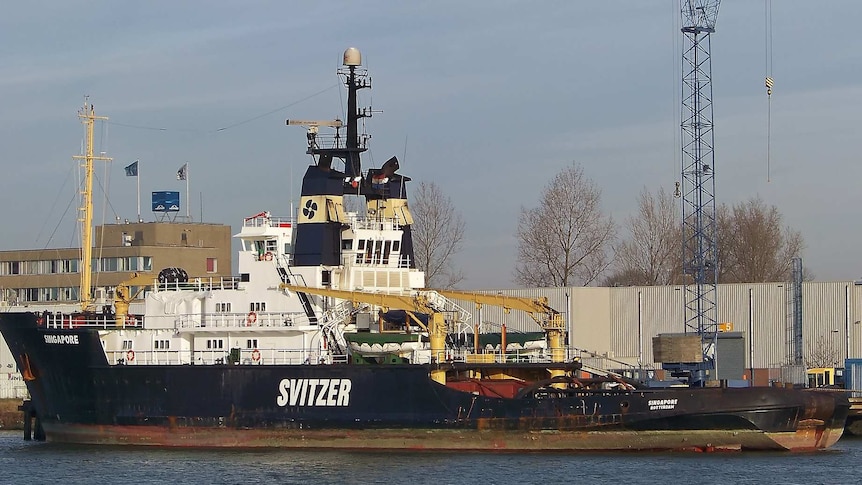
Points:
(222, 307)
(162, 344)
(360, 245)
(258, 306)
(251, 343)
(326, 278)
(212, 265)
(272, 245)
(386, 248)
(215, 344)
(396, 245)
(368, 250)
(127, 345)
(378, 251)
(347, 244)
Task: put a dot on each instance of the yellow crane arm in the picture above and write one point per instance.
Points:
(412, 303)
(537, 308)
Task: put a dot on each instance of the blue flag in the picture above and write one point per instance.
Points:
(132, 170)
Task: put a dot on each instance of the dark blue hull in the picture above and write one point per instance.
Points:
(79, 397)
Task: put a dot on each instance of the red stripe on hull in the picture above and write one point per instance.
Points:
(445, 440)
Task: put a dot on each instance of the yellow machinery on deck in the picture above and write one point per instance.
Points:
(426, 301)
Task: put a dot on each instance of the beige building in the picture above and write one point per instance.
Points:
(615, 326)
(38, 276)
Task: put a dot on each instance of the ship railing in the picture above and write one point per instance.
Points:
(200, 284)
(375, 223)
(534, 356)
(148, 357)
(250, 320)
(98, 320)
(310, 356)
(264, 219)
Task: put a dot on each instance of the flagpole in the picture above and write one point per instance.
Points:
(188, 196)
(139, 190)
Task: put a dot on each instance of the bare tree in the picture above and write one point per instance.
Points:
(753, 246)
(565, 240)
(438, 231)
(651, 256)
(823, 352)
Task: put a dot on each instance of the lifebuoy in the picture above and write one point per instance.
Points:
(255, 355)
(251, 318)
(130, 356)
(267, 256)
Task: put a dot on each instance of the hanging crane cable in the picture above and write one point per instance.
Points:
(769, 81)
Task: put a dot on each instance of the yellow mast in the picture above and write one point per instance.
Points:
(88, 117)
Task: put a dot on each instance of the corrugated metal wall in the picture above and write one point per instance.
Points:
(609, 321)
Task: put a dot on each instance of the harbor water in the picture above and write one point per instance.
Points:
(35, 463)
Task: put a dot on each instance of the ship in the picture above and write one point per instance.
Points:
(328, 339)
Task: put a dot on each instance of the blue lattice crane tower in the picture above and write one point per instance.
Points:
(699, 252)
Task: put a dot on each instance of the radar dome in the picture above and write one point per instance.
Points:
(352, 57)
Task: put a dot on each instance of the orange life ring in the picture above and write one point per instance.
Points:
(130, 356)
(268, 256)
(255, 355)
(251, 318)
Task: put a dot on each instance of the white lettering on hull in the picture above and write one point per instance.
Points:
(661, 404)
(61, 339)
(314, 392)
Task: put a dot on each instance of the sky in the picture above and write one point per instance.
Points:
(487, 99)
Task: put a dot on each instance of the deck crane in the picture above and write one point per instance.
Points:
(699, 250)
(432, 303)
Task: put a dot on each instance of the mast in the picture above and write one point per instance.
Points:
(88, 116)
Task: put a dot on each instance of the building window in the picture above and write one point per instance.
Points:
(212, 265)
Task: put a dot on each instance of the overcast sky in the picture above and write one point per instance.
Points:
(489, 99)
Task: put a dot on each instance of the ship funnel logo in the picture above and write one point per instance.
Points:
(309, 209)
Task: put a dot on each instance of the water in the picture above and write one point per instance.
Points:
(33, 462)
